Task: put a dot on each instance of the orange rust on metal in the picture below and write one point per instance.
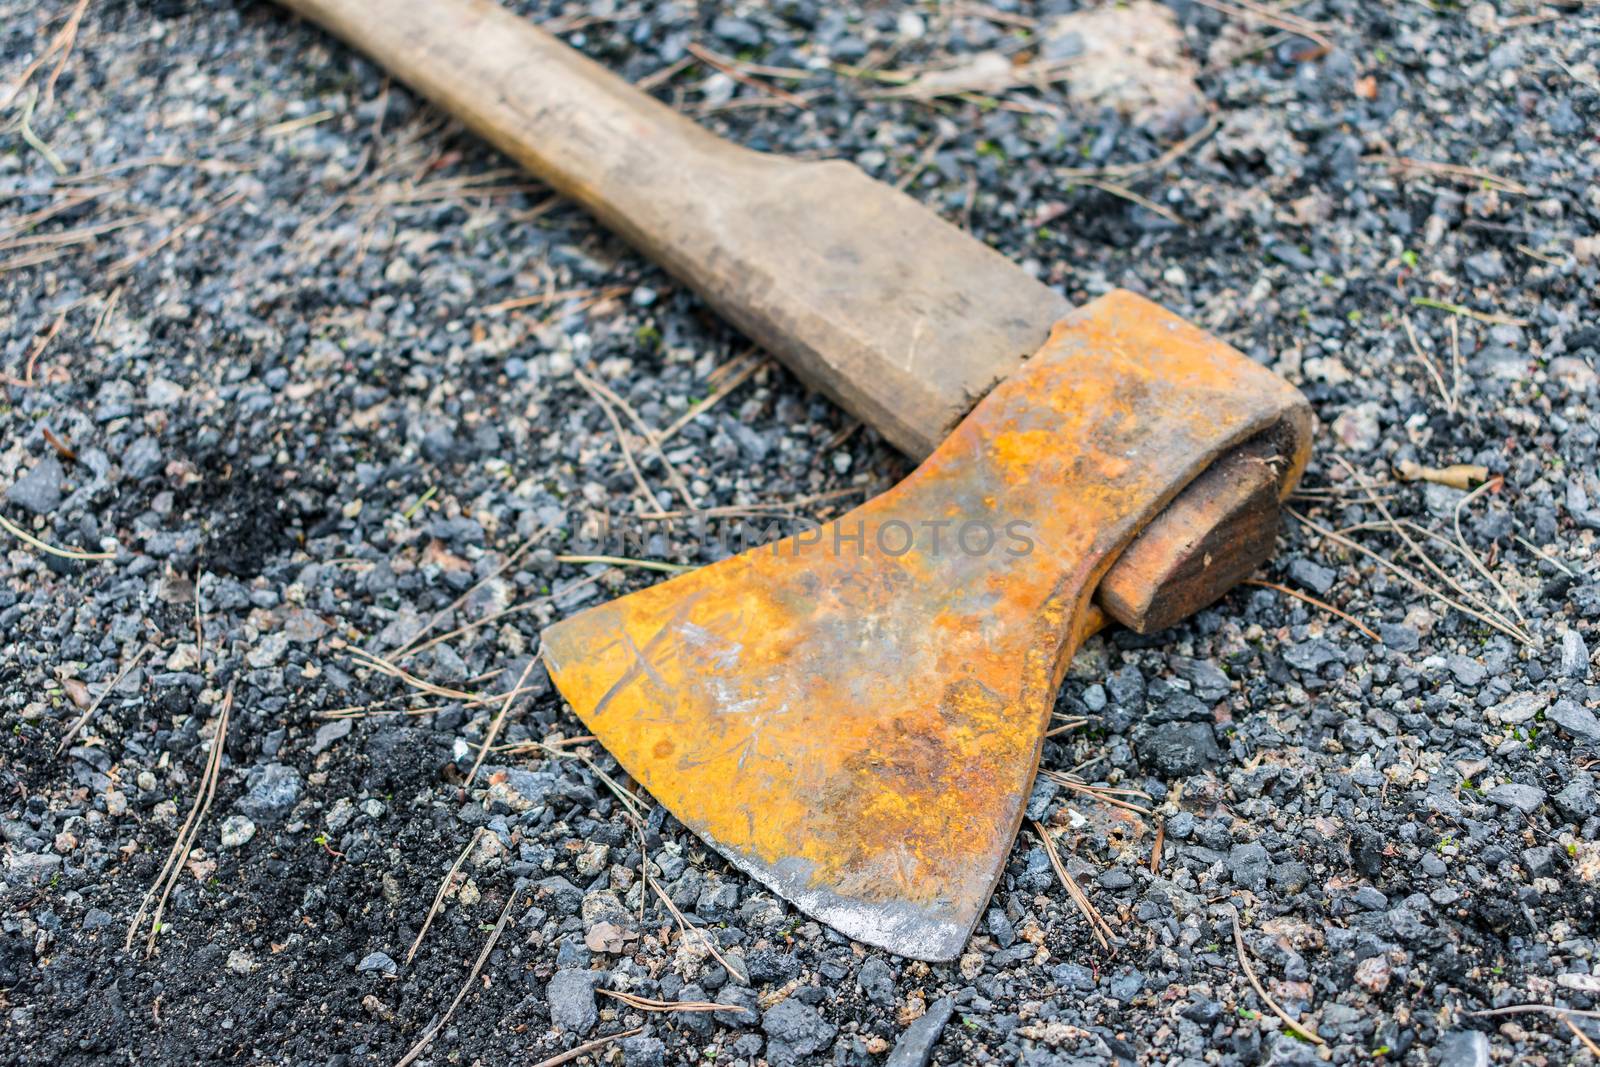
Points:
(854, 716)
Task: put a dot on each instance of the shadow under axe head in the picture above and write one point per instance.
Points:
(854, 716)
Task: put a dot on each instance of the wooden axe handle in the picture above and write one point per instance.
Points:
(898, 316)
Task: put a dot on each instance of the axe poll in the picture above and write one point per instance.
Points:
(854, 718)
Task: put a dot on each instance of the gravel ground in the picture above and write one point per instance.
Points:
(280, 395)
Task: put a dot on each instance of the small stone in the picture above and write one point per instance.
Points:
(1462, 1048)
(1311, 655)
(1575, 719)
(96, 919)
(268, 651)
(33, 866)
(399, 271)
(340, 815)
(142, 459)
(1524, 798)
(1467, 671)
(304, 627)
(915, 1047)
(742, 1002)
(239, 962)
(606, 937)
(237, 830)
(1574, 655)
(377, 961)
(1539, 861)
(328, 733)
(1248, 864)
(40, 489)
(1044, 792)
(572, 1002)
(1179, 749)
(161, 393)
(795, 1029)
(1519, 708)
(272, 790)
(1373, 973)
(593, 859)
(1357, 427)
(876, 981)
(1578, 800)
(642, 1051)
(1313, 576)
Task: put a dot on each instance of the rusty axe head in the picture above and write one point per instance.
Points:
(853, 716)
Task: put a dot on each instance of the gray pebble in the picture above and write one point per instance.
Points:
(876, 981)
(40, 489)
(1576, 720)
(1462, 1048)
(572, 1001)
(1525, 798)
(378, 961)
(271, 790)
(915, 1047)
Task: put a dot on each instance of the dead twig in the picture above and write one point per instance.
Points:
(1244, 964)
(1412, 580)
(405, 651)
(362, 711)
(586, 1048)
(646, 494)
(540, 299)
(66, 39)
(652, 439)
(756, 511)
(1097, 924)
(199, 218)
(1491, 318)
(1160, 163)
(684, 930)
(515, 609)
(652, 1005)
(1282, 20)
(1461, 476)
(753, 364)
(1541, 1009)
(69, 238)
(34, 140)
(1428, 364)
(61, 553)
(78, 723)
(624, 561)
(498, 721)
(384, 666)
(483, 956)
(1104, 794)
(27, 380)
(1133, 198)
(1314, 602)
(1470, 175)
(438, 898)
(923, 159)
(1416, 549)
(172, 870)
(1588, 1042)
(732, 68)
(1472, 557)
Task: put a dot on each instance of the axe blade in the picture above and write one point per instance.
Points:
(854, 717)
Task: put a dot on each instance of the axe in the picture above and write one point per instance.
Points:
(853, 715)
